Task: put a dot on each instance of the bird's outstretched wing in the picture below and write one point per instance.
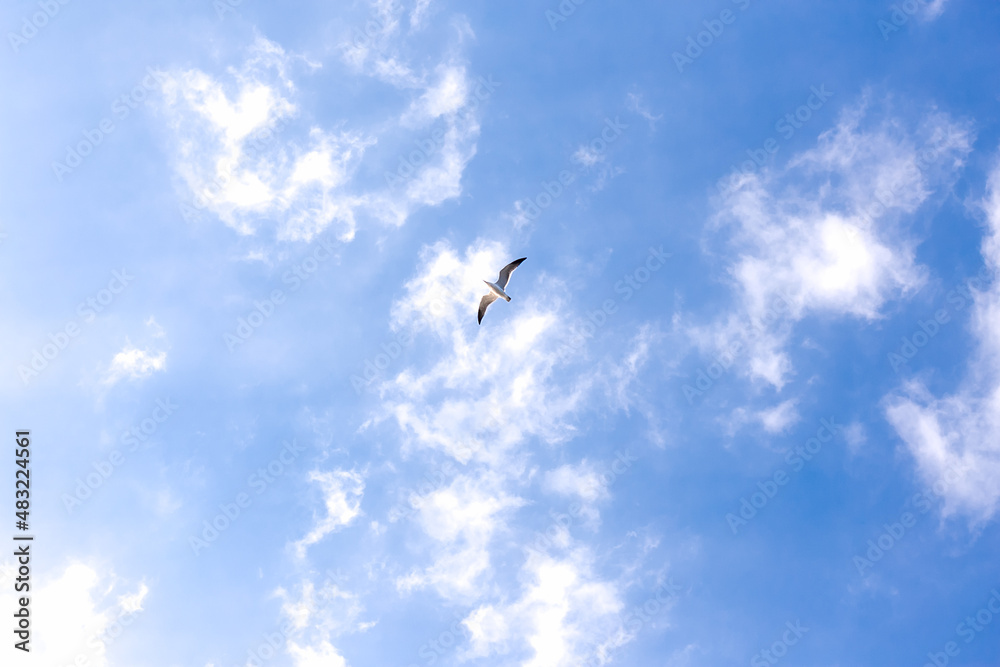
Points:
(487, 300)
(507, 270)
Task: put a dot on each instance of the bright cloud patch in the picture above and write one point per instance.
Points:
(934, 9)
(828, 233)
(321, 655)
(76, 615)
(780, 417)
(585, 483)
(461, 520)
(582, 481)
(563, 614)
(956, 440)
(134, 364)
(446, 95)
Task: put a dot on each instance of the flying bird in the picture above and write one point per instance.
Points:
(496, 289)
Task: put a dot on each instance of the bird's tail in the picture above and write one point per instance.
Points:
(507, 297)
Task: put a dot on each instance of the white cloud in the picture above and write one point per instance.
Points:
(488, 628)
(440, 179)
(934, 9)
(320, 655)
(373, 37)
(634, 103)
(587, 485)
(243, 154)
(499, 375)
(488, 397)
(780, 417)
(828, 233)
(447, 95)
(485, 397)
(581, 480)
(624, 388)
(330, 610)
(562, 612)
(134, 364)
(342, 492)
(461, 520)
(588, 156)
(76, 615)
(774, 420)
(429, 168)
(856, 437)
(315, 617)
(395, 73)
(232, 163)
(499, 392)
(420, 11)
(299, 612)
(625, 374)
(956, 440)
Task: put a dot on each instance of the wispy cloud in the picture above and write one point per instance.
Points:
(342, 492)
(247, 152)
(303, 185)
(829, 233)
(956, 439)
(487, 396)
(634, 103)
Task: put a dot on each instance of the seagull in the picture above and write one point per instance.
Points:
(496, 289)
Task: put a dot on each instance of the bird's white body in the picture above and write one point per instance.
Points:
(496, 289)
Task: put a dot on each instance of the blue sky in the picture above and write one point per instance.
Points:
(743, 408)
